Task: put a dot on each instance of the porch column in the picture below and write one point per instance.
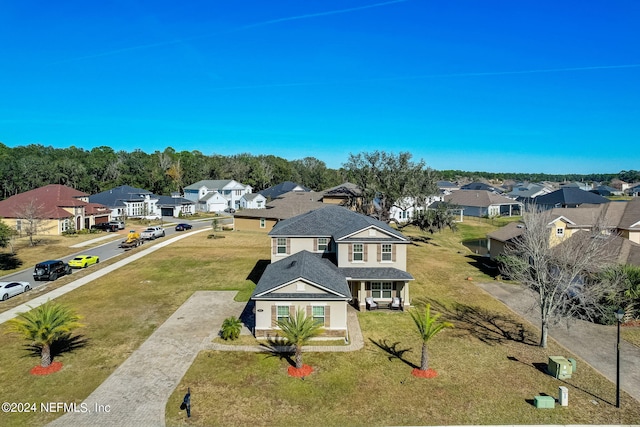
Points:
(362, 294)
(405, 296)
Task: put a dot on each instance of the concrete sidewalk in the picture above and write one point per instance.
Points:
(596, 344)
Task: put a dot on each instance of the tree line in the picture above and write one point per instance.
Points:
(27, 167)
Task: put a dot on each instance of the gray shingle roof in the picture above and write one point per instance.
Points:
(211, 184)
(116, 196)
(331, 220)
(375, 273)
(306, 266)
(570, 196)
(280, 189)
(477, 198)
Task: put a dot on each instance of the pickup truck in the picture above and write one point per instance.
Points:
(152, 233)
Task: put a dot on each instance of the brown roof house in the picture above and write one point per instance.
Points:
(325, 259)
(620, 219)
(55, 208)
(282, 207)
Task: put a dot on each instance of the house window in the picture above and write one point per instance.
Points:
(358, 252)
(560, 232)
(282, 313)
(18, 225)
(322, 244)
(386, 252)
(281, 244)
(318, 314)
(65, 225)
(238, 192)
(381, 290)
(263, 223)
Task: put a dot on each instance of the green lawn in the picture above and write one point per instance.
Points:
(488, 366)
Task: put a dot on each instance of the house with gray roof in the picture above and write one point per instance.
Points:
(129, 202)
(282, 188)
(253, 201)
(482, 203)
(525, 192)
(325, 259)
(568, 197)
(216, 195)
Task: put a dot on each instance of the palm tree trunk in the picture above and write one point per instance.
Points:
(45, 355)
(424, 361)
(298, 356)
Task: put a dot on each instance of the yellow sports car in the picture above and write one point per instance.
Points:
(82, 261)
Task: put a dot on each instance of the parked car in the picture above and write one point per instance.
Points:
(105, 226)
(50, 270)
(152, 233)
(230, 210)
(10, 289)
(182, 227)
(83, 261)
(119, 224)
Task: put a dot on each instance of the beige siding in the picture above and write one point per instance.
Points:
(295, 245)
(399, 251)
(300, 286)
(634, 236)
(337, 316)
(496, 248)
(253, 224)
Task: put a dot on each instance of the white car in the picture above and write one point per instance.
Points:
(10, 289)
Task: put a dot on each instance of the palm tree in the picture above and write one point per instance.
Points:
(45, 325)
(428, 326)
(231, 328)
(297, 331)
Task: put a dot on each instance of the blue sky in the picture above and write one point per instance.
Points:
(500, 86)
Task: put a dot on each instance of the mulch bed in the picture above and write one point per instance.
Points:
(631, 323)
(305, 371)
(39, 370)
(429, 373)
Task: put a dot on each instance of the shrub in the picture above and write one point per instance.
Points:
(231, 328)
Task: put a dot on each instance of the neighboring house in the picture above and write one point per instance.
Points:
(129, 202)
(568, 197)
(283, 207)
(216, 195)
(619, 219)
(342, 194)
(634, 191)
(326, 258)
(253, 201)
(447, 187)
(282, 188)
(525, 192)
(605, 190)
(482, 203)
(406, 209)
(481, 186)
(175, 205)
(56, 207)
(580, 185)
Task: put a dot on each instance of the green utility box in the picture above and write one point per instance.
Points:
(544, 402)
(573, 364)
(559, 367)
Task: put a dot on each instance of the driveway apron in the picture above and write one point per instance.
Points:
(137, 392)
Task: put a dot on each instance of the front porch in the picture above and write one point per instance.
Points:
(381, 294)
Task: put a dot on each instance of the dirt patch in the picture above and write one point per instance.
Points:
(429, 373)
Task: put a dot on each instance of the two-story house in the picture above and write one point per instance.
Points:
(129, 202)
(325, 259)
(216, 195)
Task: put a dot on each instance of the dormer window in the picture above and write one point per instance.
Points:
(560, 232)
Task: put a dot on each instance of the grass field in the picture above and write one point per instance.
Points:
(489, 366)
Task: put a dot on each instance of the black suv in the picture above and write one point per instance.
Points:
(51, 270)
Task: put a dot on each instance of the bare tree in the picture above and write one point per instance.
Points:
(32, 219)
(562, 272)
